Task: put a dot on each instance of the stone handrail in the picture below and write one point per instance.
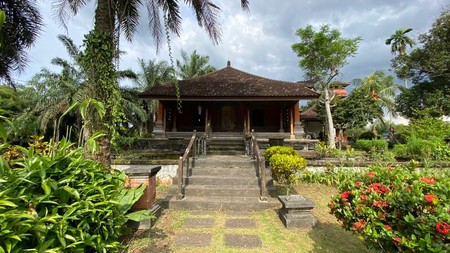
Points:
(196, 147)
(253, 151)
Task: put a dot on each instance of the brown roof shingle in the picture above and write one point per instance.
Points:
(230, 83)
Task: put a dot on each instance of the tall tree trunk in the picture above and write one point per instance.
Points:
(331, 131)
(102, 79)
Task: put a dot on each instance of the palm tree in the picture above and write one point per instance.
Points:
(194, 65)
(152, 73)
(399, 41)
(20, 29)
(113, 16)
(381, 88)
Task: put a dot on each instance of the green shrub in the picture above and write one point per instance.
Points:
(419, 149)
(401, 151)
(369, 135)
(330, 176)
(284, 150)
(397, 209)
(55, 200)
(286, 168)
(372, 145)
(326, 150)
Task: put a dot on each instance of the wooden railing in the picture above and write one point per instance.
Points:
(253, 151)
(197, 146)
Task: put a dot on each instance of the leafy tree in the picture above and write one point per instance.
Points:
(194, 65)
(112, 17)
(381, 89)
(428, 67)
(22, 22)
(323, 54)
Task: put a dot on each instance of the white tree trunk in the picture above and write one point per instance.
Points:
(331, 131)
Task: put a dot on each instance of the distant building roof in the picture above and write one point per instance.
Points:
(310, 114)
(231, 84)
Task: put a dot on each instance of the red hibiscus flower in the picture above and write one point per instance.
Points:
(363, 197)
(397, 240)
(386, 226)
(371, 174)
(428, 181)
(432, 199)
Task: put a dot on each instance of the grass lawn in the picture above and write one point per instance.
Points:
(327, 236)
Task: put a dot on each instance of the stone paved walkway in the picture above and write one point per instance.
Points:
(240, 230)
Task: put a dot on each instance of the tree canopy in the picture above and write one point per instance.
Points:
(429, 68)
(322, 55)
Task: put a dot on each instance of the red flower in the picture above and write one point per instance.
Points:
(380, 203)
(358, 183)
(345, 195)
(363, 197)
(359, 225)
(428, 181)
(443, 228)
(389, 168)
(378, 188)
(397, 240)
(386, 226)
(371, 174)
(432, 199)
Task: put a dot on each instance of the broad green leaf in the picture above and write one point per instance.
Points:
(72, 191)
(140, 215)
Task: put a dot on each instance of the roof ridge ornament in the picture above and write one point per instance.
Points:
(228, 63)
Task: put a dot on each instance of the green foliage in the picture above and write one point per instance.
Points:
(193, 65)
(372, 145)
(286, 168)
(52, 199)
(397, 209)
(419, 149)
(427, 127)
(282, 150)
(324, 149)
(368, 135)
(427, 66)
(330, 176)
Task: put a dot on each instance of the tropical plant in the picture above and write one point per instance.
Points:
(282, 150)
(381, 89)
(53, 199)
(323, 54)
(111, 17)
(193, 65)
(399, 41)
(397, 209)
(21, 26)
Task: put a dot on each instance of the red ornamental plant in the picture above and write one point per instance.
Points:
(397, 209)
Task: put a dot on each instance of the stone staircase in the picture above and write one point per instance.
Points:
(224, 182)
(226, 146)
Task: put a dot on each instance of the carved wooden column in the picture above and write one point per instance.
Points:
(281, 120)
(160, 120)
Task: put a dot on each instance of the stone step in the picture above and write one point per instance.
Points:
(225, 172)
(226, 152)
(218, 180)
(220, 190)
(224, 203)
(224, 161)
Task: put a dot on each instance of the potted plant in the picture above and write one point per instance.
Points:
(296, 209)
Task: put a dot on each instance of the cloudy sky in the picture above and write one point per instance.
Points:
(259, 41)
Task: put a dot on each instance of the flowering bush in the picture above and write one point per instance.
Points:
(397, 209)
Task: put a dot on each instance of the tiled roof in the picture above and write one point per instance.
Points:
(309, 114)
(230, 83)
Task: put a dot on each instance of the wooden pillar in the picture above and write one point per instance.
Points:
(291, 121)
(281, 120)
(248, 120)
(298, 129)
(160, 120)
(206, 119)
(174, 128)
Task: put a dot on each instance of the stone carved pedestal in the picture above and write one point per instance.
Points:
(296, 212)
(145, 175)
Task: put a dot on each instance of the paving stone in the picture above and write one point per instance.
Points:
(240, 223)
(238, 214)
(199, 223)
(243, 241)
(203, 213)
(192, 239)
